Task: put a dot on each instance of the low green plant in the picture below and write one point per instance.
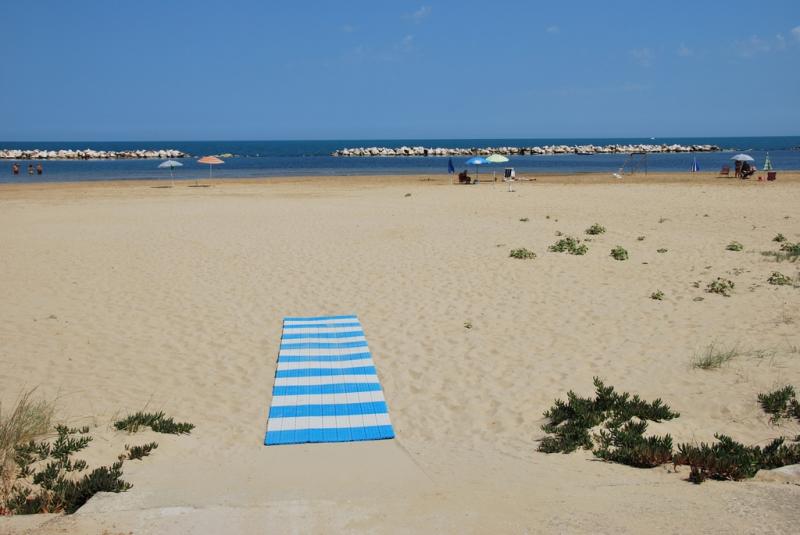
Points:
(468, 325)
(622, 420)
(780, 403)
(156, 421)
(731, 460)
(569, 245)
(53, 488)
(569, 424)
(662, 250)
(138, 452)
(640, 238)
(626, 444)
(524, 219)
(522, 253)
(713, 357)
(780, 238)
(734, 246)
(779, 279)
(720, 286)
(619, 253)
(658, 295)
(791, 249)
(596, 229)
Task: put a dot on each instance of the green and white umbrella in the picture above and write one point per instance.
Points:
(767, 164)
(496, 158)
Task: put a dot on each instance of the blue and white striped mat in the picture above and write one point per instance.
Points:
(326, 387)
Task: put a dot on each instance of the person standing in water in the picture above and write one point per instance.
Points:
(30, 168)
(39, 169)
(15, 168)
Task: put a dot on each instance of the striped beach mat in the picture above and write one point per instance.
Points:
(326, 386)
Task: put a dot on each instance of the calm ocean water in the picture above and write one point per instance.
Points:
(297, 158)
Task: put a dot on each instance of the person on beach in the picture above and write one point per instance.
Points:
(30, 168)
(15, 168)
(39, 169)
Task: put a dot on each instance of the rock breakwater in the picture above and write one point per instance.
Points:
(88, 154)
(544, 150)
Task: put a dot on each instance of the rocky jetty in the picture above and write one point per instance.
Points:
(547, 149)
(88, 154)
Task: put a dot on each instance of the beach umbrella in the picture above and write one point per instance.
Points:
(450, 167)
(496, 158)
(210, 160)
(171, 164)
(767, 164)
(476, 161)
(695, 165)
(742, 158)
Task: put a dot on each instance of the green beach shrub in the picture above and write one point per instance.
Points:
(619, 253)
(524, 219)
(596, 229)
(780, 403)
(138, 452)
(780, 238)
(733, 461)
(157, 421)
(640, 238)
(621, 438)
(53, 488)
(658, 295)
(720, 286)
(734, 246)
(569, 245)
(779, 279)
(522, 254)
(569, 424)
(791, 249)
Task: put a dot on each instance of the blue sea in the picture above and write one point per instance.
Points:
(298, 158)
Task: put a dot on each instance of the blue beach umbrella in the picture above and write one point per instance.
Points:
(476, 161)
(450, 168)
(695, 165)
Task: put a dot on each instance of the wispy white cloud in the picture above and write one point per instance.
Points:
(780, 42)
(552, 29)
(643, 56)
(406, 43)
(391, 52)
(796, 32)
(684, 51)
(421, 14)
(752, 47)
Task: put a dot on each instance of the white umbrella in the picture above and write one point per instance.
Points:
(172, 164)
(742, 158)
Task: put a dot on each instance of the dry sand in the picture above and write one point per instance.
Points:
(119, 296)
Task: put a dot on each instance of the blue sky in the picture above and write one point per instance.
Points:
(175, 70)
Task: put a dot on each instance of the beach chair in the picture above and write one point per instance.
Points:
(772, 175)
(725, 171)
(509, 176)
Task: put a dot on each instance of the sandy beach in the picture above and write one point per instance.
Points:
(120, 296)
